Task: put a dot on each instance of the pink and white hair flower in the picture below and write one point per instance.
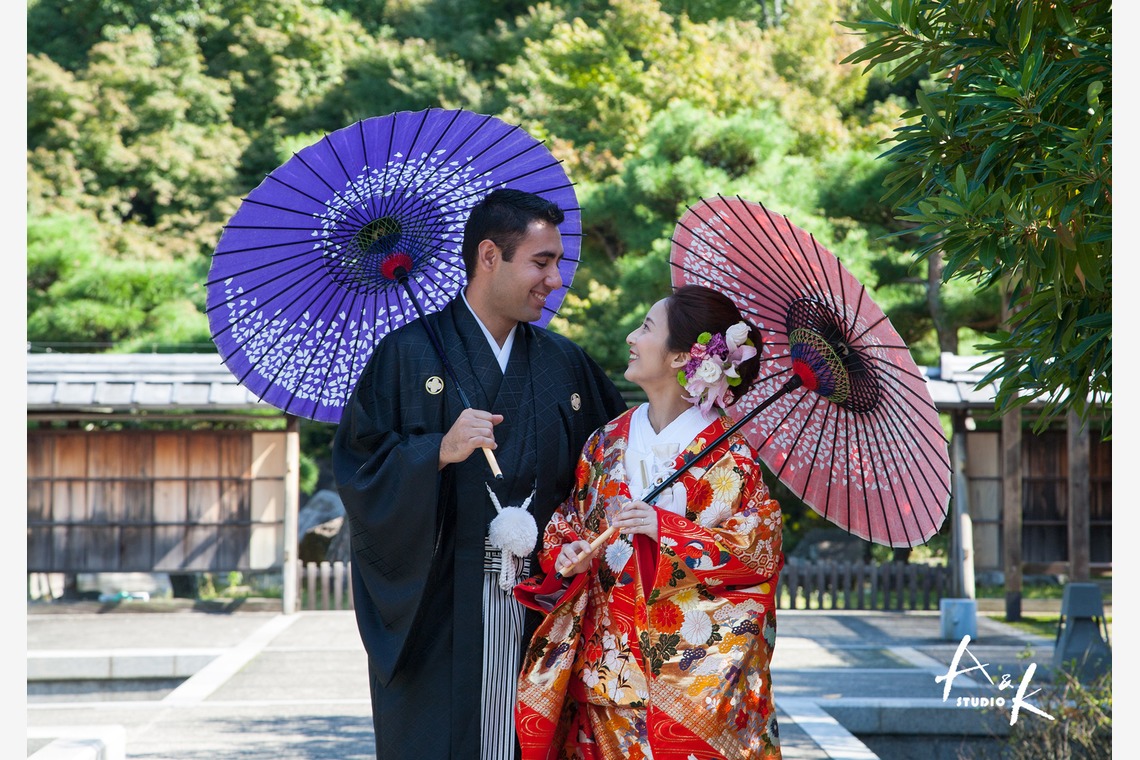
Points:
(711, 371)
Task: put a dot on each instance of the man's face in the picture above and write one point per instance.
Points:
(519, 287)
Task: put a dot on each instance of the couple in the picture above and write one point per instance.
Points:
(655, 643)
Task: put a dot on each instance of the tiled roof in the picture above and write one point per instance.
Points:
(110, 383)
(952, 384)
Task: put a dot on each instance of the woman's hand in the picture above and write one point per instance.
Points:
(637, 517)
(573, 559)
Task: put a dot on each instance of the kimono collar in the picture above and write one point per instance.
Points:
(649, 455)
(502, 355)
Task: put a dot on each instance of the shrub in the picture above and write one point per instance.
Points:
(1082, 724)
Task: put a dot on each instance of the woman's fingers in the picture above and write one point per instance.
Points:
(637, 517)
(574, 558)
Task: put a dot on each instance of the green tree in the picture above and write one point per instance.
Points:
(932, 316)
(1006, 172)
(689, 153)
(466, 31)
(83, 300)
(66, 30)
(396, 75)
(131, 170)
(280, 58)
(139, 138)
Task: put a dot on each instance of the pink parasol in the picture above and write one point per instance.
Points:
(841, 413)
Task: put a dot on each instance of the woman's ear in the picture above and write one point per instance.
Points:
(680, 359)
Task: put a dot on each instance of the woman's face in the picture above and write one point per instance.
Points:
(651, 364)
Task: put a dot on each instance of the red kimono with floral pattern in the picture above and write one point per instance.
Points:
(662, 649)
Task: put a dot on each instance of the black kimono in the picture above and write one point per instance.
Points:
(418, 532)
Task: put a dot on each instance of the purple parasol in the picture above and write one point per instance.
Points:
(358, 234)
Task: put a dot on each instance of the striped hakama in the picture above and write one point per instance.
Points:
(502, 657)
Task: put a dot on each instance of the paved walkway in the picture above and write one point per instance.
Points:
(259, 685)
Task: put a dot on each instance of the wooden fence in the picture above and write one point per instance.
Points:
(824, 585)
(324, 586)
(830, 585)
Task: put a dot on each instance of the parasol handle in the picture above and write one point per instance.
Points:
(793, 382)
(493, 463)
(402, 274)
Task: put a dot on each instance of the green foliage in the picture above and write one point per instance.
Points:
(805, 52)
(465, 30)
(64, 30)
(1081, 725)
(76, 296)
(689, 153)
(148, 121)
(280, 57)
(851, 184)
(703, 11)
(114, 303)
(154, 149)
(1006, 172)
(309, 475)
(59, 246)
(586, 83)
(393, 75)
(595, 84)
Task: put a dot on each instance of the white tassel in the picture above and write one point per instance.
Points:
(514, 533)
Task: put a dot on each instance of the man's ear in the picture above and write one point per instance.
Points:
(488, 254)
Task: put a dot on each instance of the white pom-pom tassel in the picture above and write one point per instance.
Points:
(514, 532)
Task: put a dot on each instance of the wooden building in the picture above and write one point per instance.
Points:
(165, 463)
(156, 463)
(1026, 502)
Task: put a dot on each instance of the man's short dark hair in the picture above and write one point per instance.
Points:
(503, 217)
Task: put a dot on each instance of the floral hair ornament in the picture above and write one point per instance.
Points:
(711, 372)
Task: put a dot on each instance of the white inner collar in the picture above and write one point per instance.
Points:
(650, 455)
(502, 355)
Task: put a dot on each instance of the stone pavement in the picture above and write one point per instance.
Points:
(253, 684)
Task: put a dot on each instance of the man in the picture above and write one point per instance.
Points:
(443, 638)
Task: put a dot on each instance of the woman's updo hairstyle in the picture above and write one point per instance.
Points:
(694, 309)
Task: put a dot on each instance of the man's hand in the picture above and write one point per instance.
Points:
(473, 430)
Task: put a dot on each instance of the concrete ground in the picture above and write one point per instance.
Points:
(106, 683)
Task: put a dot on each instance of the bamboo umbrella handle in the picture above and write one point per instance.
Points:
(494, 464)
(601, 539)
(597, 542)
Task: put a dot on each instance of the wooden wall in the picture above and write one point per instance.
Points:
(1045, 500)
(155, 501)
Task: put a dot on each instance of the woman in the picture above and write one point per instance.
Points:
(657, 644)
